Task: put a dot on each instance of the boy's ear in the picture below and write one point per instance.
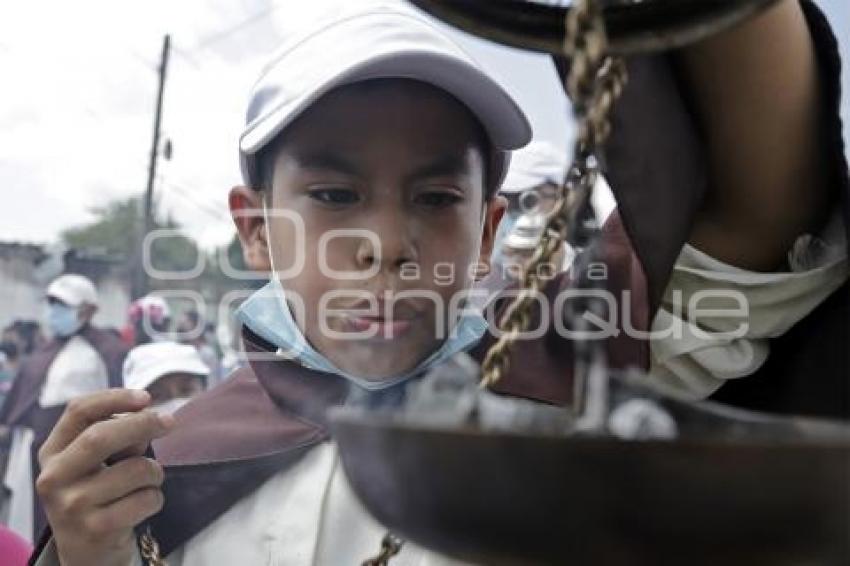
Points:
(492, 216)
(246, 208)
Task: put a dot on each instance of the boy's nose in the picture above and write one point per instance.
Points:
(391, 250)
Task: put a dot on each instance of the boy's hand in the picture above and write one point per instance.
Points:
(93, 507)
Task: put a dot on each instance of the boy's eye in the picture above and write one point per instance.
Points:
(438, 199)
(334, 195)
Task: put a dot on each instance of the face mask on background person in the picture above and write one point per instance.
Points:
(62, 320)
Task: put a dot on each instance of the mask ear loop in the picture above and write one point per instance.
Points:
(266, 227)
(478, 261)
(277, 289)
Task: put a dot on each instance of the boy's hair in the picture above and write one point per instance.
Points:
(267, 157)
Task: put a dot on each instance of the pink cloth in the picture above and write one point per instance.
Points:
(14, 550)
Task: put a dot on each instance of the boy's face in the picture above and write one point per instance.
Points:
(400, 164)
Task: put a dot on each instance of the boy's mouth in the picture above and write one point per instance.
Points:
(385, 325)
(379, 327)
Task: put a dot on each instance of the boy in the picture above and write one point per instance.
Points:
(377, 124)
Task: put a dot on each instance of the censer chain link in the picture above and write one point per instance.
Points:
(594, 83)
(149, 548)
(390, 546)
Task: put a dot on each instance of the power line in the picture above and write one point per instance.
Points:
(193, 189)
(142, 59)
(186, 56)
(227, 32)
(207, 208)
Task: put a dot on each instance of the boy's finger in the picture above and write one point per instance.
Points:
(112, 483)
(131, 451)
(81, 413)
(124, 513)
(97, 443)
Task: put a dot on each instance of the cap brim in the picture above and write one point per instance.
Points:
(67, 298)
(504, 122)
(520, 182)
(158, 371)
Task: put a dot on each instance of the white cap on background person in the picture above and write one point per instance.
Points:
(536, 164)
(384, 40)
(73, 290)
(147, 363)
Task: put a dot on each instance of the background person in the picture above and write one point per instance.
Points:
(518, 248)
(79, 359)
(8, 368)
(25, 334)
(172, 373)
(148, 320)
(204, 342)
(531, 186)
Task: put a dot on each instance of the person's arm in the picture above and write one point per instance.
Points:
(756, 94)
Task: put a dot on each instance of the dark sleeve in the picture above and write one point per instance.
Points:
(829, 63)
(659, 192)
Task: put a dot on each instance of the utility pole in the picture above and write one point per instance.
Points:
(140, 282)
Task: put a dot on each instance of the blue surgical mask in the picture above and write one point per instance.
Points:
(62, 320)
(267, 314)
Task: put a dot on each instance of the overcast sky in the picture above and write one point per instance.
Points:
(78, 90)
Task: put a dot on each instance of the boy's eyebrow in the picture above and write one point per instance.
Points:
(447, 165)
(329, 161)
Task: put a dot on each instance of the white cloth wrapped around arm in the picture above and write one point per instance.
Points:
(716, 320)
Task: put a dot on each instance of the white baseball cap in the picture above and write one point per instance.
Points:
(381, 41)
(536, 164)
(73, 290)
(147, 363)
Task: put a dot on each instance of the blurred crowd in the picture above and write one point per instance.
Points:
(45, 364)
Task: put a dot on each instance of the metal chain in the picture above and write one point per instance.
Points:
(149, 549)
(390, 546)
(594, 83)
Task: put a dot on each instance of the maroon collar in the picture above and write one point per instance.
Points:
(233, 438)
(265, 407)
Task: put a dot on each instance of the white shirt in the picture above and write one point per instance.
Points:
(77, 370)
